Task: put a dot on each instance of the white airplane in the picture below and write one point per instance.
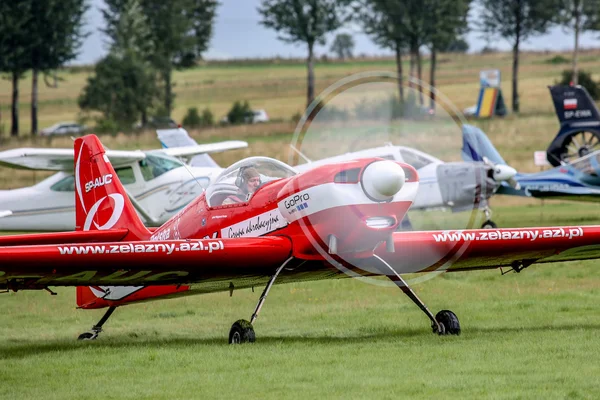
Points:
(458, 186)
(158, 182)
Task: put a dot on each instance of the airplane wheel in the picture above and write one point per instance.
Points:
(449, 321)
(489, 224)
(241, 332)
(87, 336)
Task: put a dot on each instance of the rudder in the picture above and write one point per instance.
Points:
(477, 145)
(101, 202)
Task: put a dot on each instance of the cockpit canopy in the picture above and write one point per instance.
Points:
(229, 182)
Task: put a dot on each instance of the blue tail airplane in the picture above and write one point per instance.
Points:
(574, 153)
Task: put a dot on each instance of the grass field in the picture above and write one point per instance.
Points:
(527, 335)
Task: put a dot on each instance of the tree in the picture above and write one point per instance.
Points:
(516, 21)
(120, 89)
(14, 49)
(384, 21)
(304, 21)
(447, 20)
(458, 45)
(343, 46)
(55, 34)
(180, 33)
(130, 39)
(579, 16)
(124, 86)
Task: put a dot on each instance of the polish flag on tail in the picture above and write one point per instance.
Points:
(570, 104)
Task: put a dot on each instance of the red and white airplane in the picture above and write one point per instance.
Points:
(333, 221)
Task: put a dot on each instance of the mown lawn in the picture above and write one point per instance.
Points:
(526, 335)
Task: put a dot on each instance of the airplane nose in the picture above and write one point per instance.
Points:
(503, 172)
(381, 180)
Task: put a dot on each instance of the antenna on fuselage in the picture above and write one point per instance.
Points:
(308, 160)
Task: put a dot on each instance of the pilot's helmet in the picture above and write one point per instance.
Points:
(247, 174)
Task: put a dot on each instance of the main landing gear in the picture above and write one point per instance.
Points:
(445, 322)
(96, 329)
(242, 331)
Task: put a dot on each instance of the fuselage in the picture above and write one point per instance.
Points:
(308, 208)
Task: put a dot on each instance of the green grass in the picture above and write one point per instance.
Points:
(526, 335)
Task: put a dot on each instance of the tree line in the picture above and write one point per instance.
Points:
(149, 39)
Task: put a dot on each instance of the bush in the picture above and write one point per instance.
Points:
(297, 117)
(239, 113)
(584, 79)
(192, 119)
(557, 60)
(106, 125)
(208, 118)
(487, 49)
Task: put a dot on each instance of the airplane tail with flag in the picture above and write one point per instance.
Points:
(577, 113)
(101, 202)
(573, 104)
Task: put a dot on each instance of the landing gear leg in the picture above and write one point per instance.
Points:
(96, 329)
(488, 224)
(242, 331)
(444, 323)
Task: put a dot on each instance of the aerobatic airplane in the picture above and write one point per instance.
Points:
(158, 182)
(333, 221)
(458, 186)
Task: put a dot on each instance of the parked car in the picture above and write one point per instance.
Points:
(258, 116)
(63, 128)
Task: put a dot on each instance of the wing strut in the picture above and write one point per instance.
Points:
(445, 322)
(150, 220)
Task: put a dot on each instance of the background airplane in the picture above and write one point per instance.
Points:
(333, 221)
(579, 133)
(578, 179)
(157, 181)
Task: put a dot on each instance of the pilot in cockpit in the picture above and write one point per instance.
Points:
(247, 182)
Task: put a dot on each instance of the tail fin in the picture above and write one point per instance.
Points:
(101, 202)
(573, 104)
(476, 145)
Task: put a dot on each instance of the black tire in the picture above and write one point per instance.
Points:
(489, 224)
(241, 332)
(86, 336)
(450, 322)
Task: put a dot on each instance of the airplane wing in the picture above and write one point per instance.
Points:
(490, 248)
(189, 151)
(142, 263)
(59, 159)
(178, 143)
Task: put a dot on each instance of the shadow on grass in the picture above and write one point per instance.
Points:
(24, 349)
